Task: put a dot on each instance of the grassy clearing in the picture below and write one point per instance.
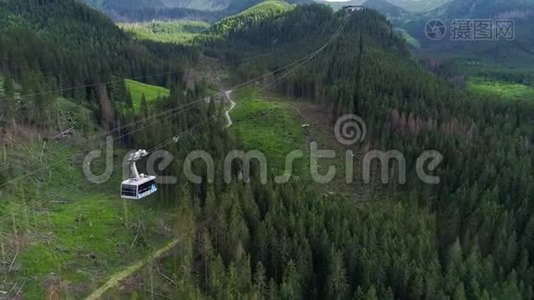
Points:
(504, 90)
(177, 32)
(274, 126)
(151, 92)
(61, 233)
(267, 125)
(85, 242)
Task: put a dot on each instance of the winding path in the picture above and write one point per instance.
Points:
(122, 275)
(228, 98)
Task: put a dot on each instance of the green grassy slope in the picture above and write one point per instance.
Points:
(138, 89)
(57, 230)
(166, 32)
(64, 233)
(503, 90)
(266, 5)
(267, 125)
(250, 17)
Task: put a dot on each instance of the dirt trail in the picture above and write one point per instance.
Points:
(228, 98)
(129, 271)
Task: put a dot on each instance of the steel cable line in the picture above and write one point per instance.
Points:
(165, 112)
(6, 166)
(193, 130)
(175, 71)
(298, 63)
(121, 128)
(74, 155)
(190, 132)
(188, 104)
(198, 127)
(301, 62)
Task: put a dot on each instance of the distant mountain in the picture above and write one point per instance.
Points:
(386, 8)
(521, 11)
(418, 5)
(256, 14)
(484, 8)
(206, 5)
(514, 52)
(407, 5)
(142, 10)
(236, 6)
(338, 5)
(129, 4)
(203, 5)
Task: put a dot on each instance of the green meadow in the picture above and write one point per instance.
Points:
(266, 124)
(64, 231)
(138, 89)
(176, 32)
(504, 90)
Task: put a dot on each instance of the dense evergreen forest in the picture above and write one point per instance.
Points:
(55, 46)
(468, 237)
(471, 236)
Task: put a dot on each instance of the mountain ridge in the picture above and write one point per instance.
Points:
(407, 5)
(206, 10)
(386, 7)
(515, 51)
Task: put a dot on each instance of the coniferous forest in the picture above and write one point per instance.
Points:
(471, 236)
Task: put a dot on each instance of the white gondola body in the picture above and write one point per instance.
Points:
(136, 189)
(138, 186)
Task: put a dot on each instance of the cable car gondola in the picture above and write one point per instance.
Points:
(138, 186)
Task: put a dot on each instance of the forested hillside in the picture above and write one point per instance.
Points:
(55, 46)
(259, 14)
(470, 236)
(62, 91)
